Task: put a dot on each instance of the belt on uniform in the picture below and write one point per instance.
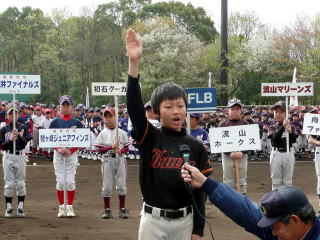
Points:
(110, 155)
(18, 152)
(168, 213)
(280, 149)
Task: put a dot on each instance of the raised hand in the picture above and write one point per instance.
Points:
(133, 46)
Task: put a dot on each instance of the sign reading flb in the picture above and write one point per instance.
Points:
(109, 88)
(287, 89)
(201, 99)
(64, 137)
(20, 84)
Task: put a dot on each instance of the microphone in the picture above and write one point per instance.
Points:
(184, 149)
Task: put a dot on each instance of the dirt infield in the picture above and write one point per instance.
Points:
(41, 204)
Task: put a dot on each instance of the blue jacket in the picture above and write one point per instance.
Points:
(244, 212)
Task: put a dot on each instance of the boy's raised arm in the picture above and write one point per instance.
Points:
(134, 101)
(134, 52)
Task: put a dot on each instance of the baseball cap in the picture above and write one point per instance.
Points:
(280, 104)
(48, 110)
(109, 110)
(23, 106)
(234, 102)
(280, 202)
(37, 108)
(66, 98)
(247, 113)
(96, 119)
(147, 105)
(10, 107)
(195, 115)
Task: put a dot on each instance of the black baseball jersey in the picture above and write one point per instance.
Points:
(277, 136)
(22, 140)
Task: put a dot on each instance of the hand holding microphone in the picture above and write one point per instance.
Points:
(190, 174)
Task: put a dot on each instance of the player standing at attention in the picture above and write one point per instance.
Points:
(14, 164)
(65, 120)
(114, 169)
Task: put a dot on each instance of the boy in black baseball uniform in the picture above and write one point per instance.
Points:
(14, 164)
(168, 206)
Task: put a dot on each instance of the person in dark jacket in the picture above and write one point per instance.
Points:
(284, 213)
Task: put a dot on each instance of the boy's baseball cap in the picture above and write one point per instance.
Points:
(37, 108)
(280, 104)
(96, 119)
(66, 98)
(280, 202)
(109, 110)
(147, 105)
(48, 110)
(195, 115)
(10, 107)
(234, 102)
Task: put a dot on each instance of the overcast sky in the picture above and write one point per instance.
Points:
(277, 13)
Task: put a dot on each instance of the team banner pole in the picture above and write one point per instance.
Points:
(287, 134)
(14, 122)
(188, 124)
(117, 120)
(236, 165)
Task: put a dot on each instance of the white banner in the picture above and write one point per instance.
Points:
(109, 88)
(20, 84)
(287, 89)
(64, 137)
(236, 138)
(311, 124)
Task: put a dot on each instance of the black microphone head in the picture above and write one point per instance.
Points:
(184, 148)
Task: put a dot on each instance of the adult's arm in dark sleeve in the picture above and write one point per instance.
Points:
(237, 207)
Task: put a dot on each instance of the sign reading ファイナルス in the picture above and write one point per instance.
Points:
(20, 84)
(201, 100)
(236, 138)
(311, 124)
(64, 137)
(109, 88)
(287, 89)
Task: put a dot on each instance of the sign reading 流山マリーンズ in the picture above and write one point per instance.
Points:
(287, 89)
